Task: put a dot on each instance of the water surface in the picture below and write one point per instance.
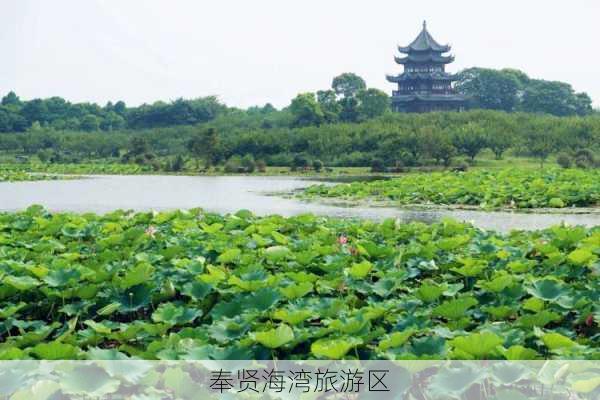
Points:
(224, 194)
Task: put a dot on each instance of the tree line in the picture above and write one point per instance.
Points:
(348, 100)
(392, 139)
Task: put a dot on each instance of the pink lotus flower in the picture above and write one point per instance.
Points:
(150, 231)
(343, 240)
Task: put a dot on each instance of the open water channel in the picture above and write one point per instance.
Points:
(225, 194)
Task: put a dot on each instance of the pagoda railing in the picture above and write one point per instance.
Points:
(404, 93)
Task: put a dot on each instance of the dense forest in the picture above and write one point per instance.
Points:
(348, 124)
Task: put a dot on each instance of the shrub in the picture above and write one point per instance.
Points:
(317, 165)
(461, 166)
(300, 161)
(178, 164)
(584, 158)
(44, 155)
(248, 163)
(261, 165)
(377, 165)
(233, 164)
(398, 167)
(564, 160)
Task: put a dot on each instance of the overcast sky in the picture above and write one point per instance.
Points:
(250, 52)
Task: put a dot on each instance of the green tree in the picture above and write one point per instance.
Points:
(329, 105)
(348, 84)
(556, 98)
(11, 99)
(470, 140)
(440, 147)
(112, 121)
(372, 103)
(90, 123)
(306, 110)
(540, 143)
(489, 89)
(349, 112)
(204, 145)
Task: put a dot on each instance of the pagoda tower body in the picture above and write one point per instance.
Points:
(425, 85)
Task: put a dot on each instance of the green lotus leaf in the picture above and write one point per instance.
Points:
(279, 238)
(539, 319)
(96, 353)
(360, 270)
(585, 383)
(510, 373)
(500, 312)
(471, 267)
(109, 309)
(61, 277)
(196, 290)
(214, 228)
(55, 351)
(395, 339)
(518, 352)
(295, 291)
(555, 341)
(453, 243)
(533, 304)
(173, 314)
(11, 310)
(581, 257)
(89, 380)
(477, 345)
(454, 381)
(98, 327)
(262, 299)
(454, 309)
(229, 256)
(430, 292)
(134, 298)
(334, 349)
(498, 284)
(11, 353)
(292, 316)
(547, 289)
(274, 338)
(349, 325)
(277, 253)
(21, 283)
(429, 346)
(228, 329)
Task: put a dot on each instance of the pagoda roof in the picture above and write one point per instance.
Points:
(428, 57)
(424, 42)
(407, 98)
(410, 76)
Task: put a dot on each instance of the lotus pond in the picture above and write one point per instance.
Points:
(197, 285)
(485, 189)
(21, 176)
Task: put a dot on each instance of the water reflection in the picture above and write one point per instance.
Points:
(230, 193)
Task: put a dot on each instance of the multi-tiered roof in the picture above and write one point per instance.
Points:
(425, 85)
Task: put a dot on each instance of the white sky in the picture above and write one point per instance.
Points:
(249, 52)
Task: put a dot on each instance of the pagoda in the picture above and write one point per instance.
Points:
(425, 85)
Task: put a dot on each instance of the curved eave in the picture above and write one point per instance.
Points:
(410, 49)
(411, 76)
(437, 59)
(433, 97)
